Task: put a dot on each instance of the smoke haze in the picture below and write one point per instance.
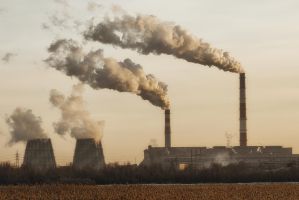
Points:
(100, 72)
(75, 119)
(24, 126)
(8, 56)
(147, 34)
(93, 6)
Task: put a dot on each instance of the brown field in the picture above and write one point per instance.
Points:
(210, 192)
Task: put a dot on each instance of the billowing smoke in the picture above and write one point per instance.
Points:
(147, 34)
(100, 72)
(75, 119)
(24, 126)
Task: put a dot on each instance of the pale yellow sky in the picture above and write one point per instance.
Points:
(262, 35)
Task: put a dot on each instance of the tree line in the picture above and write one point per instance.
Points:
(133, 174)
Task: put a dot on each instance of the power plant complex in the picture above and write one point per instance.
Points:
(200, 157)
(89, 154)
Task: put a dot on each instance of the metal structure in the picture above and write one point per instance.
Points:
(17, 165)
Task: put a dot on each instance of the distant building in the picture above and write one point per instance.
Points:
(201, 157)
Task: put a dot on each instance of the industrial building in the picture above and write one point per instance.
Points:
(39, 155)
(88, 154)
(200, 157)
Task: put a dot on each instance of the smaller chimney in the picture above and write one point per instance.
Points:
(167, 129)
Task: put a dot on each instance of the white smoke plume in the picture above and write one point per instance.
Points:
(75, 119)
(24, 126)
(153, 143)
(224, 159)
(147, 34)
(100, 72)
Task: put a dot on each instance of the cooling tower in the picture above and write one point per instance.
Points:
(39, 155)
(243, 118)
(167, 129)
(88, 154)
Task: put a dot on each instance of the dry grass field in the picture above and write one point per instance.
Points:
(210, 192)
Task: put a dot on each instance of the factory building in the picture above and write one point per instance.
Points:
(201, 157)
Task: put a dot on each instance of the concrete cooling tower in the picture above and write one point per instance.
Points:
(88, 155)
(39, 155)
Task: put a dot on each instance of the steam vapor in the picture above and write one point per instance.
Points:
(24, 126)
(147, 34)
(153, 143)
(100, 72)
(75, 119)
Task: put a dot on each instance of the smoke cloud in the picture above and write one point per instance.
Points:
(75, 119)
(64, 3)
(60, 20)
(2, 10)
(153, 143)
(100, 72)
(93, 6)
(24, 126)
(147, 34)
(7, 57)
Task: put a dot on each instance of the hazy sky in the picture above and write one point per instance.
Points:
(263, 35)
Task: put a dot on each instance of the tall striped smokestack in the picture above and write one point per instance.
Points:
(167, 129)
(243, 118)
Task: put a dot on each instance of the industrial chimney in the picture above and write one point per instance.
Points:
(167, 129)
(88, 155)
(39, 155)
(243, 118)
